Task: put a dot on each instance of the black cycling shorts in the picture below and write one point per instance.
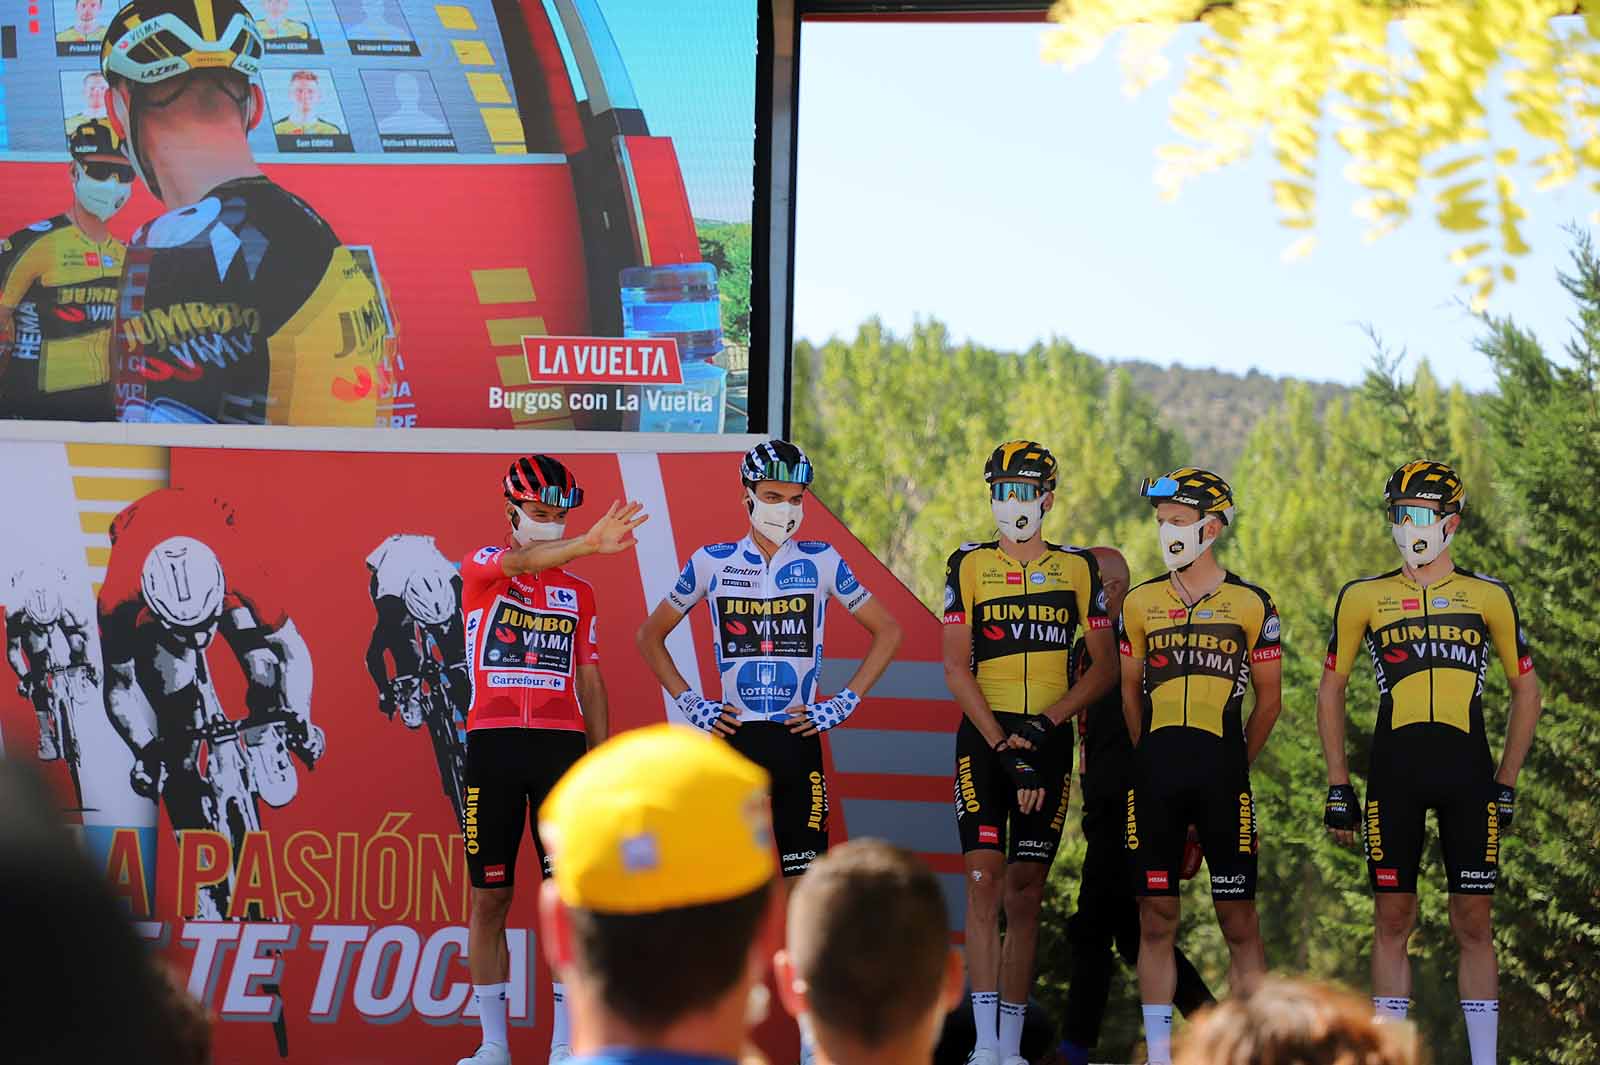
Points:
(799, 789)
(1469, 832)
(986, 798)
(1157, 826)
(509, 773)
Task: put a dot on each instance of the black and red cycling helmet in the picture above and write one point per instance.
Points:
(542, 479)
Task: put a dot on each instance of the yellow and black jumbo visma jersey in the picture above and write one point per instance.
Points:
(1429, 648)
(1024, 617)
(245, 307)
(1197, 658)
(62, 289)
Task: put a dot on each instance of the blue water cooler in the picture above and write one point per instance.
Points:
(679, 301)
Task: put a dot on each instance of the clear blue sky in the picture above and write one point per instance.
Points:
(947, 171)
(693, 66)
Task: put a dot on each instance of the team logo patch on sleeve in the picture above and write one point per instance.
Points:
(685, 583)
(846, 581)
(561, 598)
(1269, 631)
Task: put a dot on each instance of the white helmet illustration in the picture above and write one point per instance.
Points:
(183, 585)
(430, 597)
(38, 595)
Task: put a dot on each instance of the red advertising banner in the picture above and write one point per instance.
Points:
(289, 843)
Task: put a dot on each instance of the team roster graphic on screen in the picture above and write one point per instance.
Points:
(485, 214)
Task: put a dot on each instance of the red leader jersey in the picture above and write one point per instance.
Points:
(526, 637)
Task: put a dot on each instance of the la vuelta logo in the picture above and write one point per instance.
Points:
(602, 361)
(367, 923)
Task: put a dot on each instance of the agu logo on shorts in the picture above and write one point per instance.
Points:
(767, 687)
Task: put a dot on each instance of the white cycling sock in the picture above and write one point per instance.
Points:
(559, 1032)
(1483, 1024)
(1012, 1015)
(1391, 1009)
(491, 999)
(984, 1006)
(1158, 1034)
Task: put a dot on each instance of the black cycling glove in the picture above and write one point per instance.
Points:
(1506, 800)
(1022, 774)
(1036, 730)
(1342, 810)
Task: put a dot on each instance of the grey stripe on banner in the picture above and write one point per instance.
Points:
(865, 750)
(902, 680)
(929, 827)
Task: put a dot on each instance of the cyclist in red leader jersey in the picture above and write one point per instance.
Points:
(537, 703)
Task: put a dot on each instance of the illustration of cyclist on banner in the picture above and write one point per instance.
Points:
(47, 643)
(167, 595)
(418, 653)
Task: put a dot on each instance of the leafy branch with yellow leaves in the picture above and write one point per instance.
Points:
(1403, 89)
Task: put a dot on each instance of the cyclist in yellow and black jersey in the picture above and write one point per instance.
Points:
(1428, 629)
(1196, 660)
(1012, 607)
(1193, 643)
(58, 288)
(1023, 617)
(239, 304)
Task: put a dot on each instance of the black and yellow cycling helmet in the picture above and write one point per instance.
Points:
(150, 41)
(1027, 459)
(94, 140)
(153, 41)
(1193, 487)
(1432, 482)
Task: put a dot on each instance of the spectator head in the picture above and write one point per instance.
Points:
(184, 1019)
(869, 961)
(1296, 1022)
(78, 985)
(660, 913)
(1114, 576)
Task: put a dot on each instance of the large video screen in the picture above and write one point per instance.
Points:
(486, 213)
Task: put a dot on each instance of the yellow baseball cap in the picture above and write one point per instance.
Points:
(659, 818)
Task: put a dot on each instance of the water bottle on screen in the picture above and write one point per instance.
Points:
(679, 301)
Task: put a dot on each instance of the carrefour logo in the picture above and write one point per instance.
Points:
(767, 687)
(800, 573)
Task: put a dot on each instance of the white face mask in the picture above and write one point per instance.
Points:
(1421, 544)
(776, 521)
(1018, 521)
(100, 198)
(526, 531)
(1181, 544)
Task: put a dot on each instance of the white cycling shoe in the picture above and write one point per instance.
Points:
(488, 1054)
(983, 1056)
(559, 1053)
